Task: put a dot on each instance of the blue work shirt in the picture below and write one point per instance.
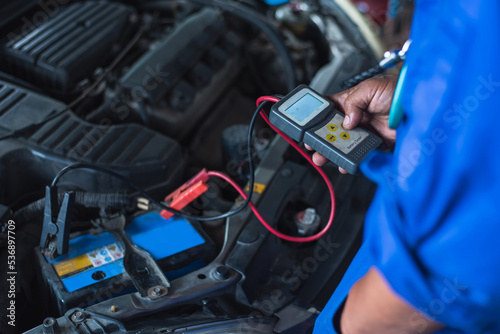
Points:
(433, 229)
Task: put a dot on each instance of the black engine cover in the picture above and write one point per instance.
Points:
(67, 48)
(177, 81)
(29, 162)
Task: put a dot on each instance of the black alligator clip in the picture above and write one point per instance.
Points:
(56, 223)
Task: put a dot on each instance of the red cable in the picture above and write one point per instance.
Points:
(308, 158)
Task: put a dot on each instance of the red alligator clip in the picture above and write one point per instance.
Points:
(186, 193)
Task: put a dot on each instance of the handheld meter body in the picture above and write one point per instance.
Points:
(307, 116)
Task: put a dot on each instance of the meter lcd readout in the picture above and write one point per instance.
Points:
(304, 108)
(306, 116)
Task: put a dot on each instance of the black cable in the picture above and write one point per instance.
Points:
(251, 182)
(369, 73)
(391, 59)
(85, 93)
(113, 201)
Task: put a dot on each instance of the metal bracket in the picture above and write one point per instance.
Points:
(143, 270)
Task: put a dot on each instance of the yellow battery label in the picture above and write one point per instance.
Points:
(257, 187)
(73, 266)
(93, 259)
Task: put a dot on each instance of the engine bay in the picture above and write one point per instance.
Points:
(139, 97)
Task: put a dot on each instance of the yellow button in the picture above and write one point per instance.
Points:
(342, 125)
(331, 138)
(344, 135)
(332, 127)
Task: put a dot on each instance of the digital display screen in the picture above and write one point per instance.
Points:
(304, 107)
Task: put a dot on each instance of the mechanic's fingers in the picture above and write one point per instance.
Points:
(308, 147)
(318, 159)
(352, 103)
(339, 99)
(354, 106)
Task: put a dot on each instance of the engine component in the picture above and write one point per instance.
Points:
(20, 108)
(255, 19)
(146, 157)
(307, 221)
(67, 48)
(129, 148)
(175, 83)
(94, 270)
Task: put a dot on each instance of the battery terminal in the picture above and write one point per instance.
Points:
(307, 221)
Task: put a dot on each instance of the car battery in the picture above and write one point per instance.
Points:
(93, 271)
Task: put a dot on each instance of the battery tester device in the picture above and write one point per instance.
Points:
(307, 116)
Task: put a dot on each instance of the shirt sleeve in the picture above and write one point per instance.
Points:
(434, 224)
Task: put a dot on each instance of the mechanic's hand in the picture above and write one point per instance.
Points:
(367, 104)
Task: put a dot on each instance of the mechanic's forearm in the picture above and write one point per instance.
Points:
(372, 307)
